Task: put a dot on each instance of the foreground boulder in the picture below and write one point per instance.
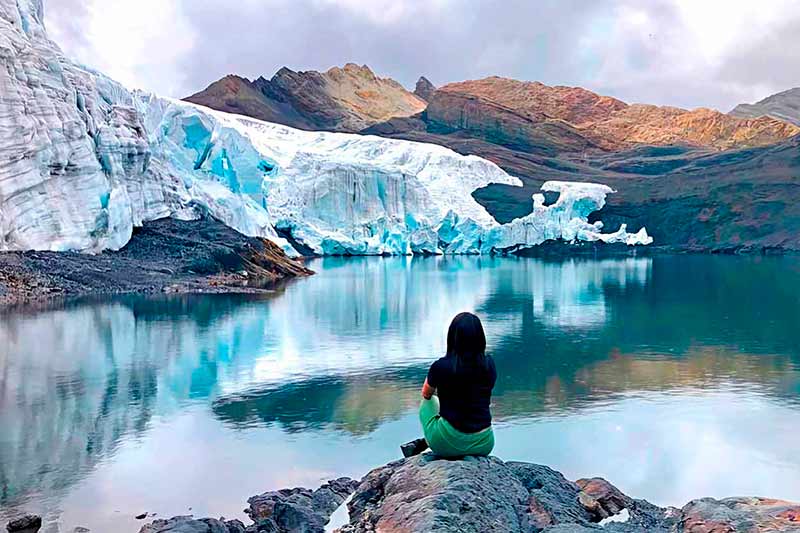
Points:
(299, 510)
(708, 515)
(484, 494)
(188, 524)
(295, 510)
(30, 523)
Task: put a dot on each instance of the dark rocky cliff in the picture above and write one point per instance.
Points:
(166, 255)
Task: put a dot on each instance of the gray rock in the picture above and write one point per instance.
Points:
(552, 498)
(602, 500)
(425, 493)
(424, 88)
(299, 510)
(189, 524)
(30, 523)
(783, 106)
(483, 494)
(295, 510)
(235, 526)
(740, 515)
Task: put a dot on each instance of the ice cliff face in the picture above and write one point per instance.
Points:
(565, 220)
(67, 148)
(85, 161)
(77, 171)
(349, 194)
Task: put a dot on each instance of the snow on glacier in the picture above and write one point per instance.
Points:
(88, 161)
(338, 193)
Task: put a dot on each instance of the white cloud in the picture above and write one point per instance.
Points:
(139, 43)
(714, 53)
(386, 12)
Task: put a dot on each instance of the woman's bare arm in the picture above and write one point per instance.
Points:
(427, 390)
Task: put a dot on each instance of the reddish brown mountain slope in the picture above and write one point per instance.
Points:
(615, 125)
(527, 131)
(573, 104)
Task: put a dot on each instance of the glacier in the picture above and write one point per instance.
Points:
(345, 194)
(86, 161)
(78, 171)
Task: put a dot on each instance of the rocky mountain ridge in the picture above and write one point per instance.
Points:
(424, 88)
(530, 116)
(784, 106)
(615, 125)
(348, 98)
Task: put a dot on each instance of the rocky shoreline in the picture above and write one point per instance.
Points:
(476, 495)
(166, 255)
(480, 494)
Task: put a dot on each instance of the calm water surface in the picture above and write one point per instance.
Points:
(674, 377)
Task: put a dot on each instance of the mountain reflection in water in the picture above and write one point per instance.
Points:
(334, 363)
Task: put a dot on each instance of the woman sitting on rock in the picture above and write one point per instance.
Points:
(455, 415)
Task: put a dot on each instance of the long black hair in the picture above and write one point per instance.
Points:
(466, 342)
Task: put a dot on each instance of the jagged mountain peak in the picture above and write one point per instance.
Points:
(424, 88)
(283, 71)
(347, 98)
(234, 78)
(353, 69)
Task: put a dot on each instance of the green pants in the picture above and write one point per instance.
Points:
(445, 440)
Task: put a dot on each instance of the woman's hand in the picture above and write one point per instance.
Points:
(427, 390)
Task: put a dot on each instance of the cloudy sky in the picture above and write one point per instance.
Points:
(689, 53)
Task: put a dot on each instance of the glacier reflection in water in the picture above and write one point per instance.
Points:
(661, 374)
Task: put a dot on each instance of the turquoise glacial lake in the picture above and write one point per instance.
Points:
(674, 377)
